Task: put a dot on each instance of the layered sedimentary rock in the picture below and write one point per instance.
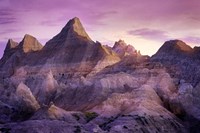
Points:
(15, 54)
(70, 51)
(181, 60)
(182, 63)
(122, 49)
(30, 44)
(74, 84)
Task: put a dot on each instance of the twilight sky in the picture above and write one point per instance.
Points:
(146, 24)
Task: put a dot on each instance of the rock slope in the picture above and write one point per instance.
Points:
(122, 49)
(74, 85)
(182, 63)
(15, 53)
(181, 58)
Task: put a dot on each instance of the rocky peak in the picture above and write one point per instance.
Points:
(74, 28)
(10, 49)
(180, 59)
(173, 50)
(30, 44)
(11, 44)
(120, 43)
(174, 46)
(183, 46)
(123, 49)
(73, 33)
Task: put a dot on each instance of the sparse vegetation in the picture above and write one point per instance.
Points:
(90, 116)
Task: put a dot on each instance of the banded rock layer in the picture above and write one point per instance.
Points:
(73, 84)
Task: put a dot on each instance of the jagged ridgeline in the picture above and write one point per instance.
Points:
(73, 84)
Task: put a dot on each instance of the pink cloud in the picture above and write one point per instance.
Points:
(95, 11)
(6, 17)
(191, 39)
(150, 34)
(169, 18)
(2, 47)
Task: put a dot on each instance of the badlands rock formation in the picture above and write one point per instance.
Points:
(182, 63)
(75, 85)
(15, 53)
(122, 49)
(181, 60)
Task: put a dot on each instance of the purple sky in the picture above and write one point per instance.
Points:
(145, 24)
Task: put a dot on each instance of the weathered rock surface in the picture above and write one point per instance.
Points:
(30, 44)
(15, 54)
(182, 63)
(122, 49)
(70, 51)
(26, 97)
(181, 60)
(10, 48)
(73, 84)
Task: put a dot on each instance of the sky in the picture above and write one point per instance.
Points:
(145, 24)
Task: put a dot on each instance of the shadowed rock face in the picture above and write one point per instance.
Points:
(73, 84)
(9, 50)
(181, 60)
(182, 63)
(173, 48)
(71, 33)
(28, 44)
(73, 45)
(10, 45)
(15, 54)
(122, 49)
(70, 50)
(69, 43)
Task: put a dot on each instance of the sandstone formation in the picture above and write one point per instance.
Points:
(74, 85)
(181, 60)
(122, 49)
(182, 64)
(15, 53)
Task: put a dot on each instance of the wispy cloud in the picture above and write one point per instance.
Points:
(8, 31)
(7, 17)
(191, 39)
(49, 23)
(147, 19)
(152, 34)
